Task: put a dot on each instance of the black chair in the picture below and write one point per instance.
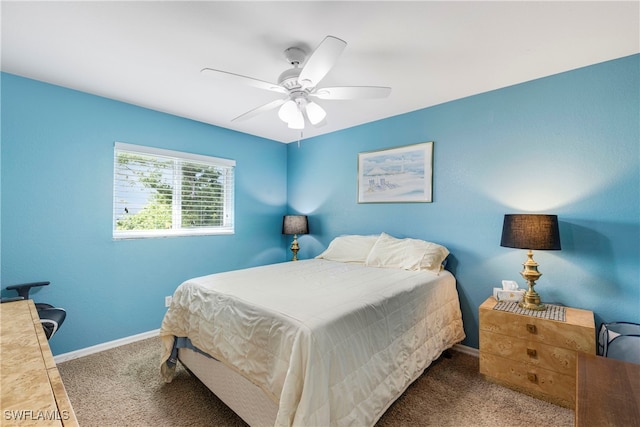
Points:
(51, 317)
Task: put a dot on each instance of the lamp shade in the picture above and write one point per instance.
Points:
(531, 231)
(295, 224)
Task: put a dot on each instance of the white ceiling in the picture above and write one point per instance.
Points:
(150, 53)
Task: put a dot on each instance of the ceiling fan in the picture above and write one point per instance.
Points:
(300, 85)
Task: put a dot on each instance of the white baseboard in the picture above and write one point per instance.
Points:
(467, 350)
(105, 346)
(143, 336)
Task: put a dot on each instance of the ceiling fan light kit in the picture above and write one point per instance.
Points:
(315, 113)
(300, 84)
(291, 113)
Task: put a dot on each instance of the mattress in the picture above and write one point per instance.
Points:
(330, 343)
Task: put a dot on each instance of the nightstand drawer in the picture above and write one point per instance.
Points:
(550, 332)
(529, 352)
(553, 386)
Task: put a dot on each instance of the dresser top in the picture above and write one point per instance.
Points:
(574, 316)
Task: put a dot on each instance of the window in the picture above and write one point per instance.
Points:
(158, 193)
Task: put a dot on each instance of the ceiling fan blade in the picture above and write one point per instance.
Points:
(352, 92)
(239, 79)
(261, 109)
(321, 61)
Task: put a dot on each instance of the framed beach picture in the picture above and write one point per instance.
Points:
(396, 175)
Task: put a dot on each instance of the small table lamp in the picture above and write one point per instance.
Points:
(295, 224)
(531, 231)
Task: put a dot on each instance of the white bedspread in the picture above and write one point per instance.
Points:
(332, 343)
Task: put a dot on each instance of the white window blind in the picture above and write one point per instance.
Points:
(159, 193)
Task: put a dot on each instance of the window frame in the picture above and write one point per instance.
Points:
(227, 165)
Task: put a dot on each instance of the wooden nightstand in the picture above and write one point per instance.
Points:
(533, 355)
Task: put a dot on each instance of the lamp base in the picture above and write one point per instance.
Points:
(295, 247)
(531, 301)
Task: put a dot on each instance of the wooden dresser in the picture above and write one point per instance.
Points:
(31, 390)
(533, 355)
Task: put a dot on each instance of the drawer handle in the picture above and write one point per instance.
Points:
(532, 352)
(532, 377)
(531, 328)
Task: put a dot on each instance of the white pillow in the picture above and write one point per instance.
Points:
(350, 248)
(408, 254)
(434, 256)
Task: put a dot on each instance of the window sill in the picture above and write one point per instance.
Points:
(129, 235)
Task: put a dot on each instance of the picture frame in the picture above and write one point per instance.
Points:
(396, 175)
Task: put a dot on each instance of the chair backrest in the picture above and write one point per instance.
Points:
(51, 317)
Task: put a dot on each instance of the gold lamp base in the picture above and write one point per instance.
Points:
(531, 299)
(295, 248)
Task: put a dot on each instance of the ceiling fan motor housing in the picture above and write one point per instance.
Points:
(289, 78)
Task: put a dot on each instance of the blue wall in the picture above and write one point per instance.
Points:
(566, 144)
(57, 174)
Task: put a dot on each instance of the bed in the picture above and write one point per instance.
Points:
(333, 340)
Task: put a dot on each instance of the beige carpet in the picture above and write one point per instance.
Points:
(122, 387)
